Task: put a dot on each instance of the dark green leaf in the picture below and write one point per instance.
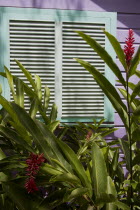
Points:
(14, 137)
(125, 147)
(20, 197)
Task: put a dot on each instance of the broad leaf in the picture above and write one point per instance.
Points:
(121, 205)
(33, 129)
(27, 74)
(99, 172)
(76, 164)
(117, 47)
(14, 137)
(109, 90)
(104, 55)
(66, 177)
(75, 194)
(21, 197)
(51, 140)
(125, 147)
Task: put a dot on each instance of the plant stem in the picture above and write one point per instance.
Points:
(129, 136)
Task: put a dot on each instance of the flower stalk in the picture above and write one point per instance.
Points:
(129, 51)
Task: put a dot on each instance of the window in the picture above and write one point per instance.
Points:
(45, 42)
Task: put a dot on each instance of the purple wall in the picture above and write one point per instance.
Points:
(128, 15)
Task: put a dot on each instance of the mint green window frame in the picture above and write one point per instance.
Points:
(107, 18)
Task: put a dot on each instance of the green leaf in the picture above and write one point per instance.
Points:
(99, 172)
(66, 177)
(2, 155)
(136, 113)
(49, 169)
(7, 106)
(111, 130)
(38, 87)
(53, 114)
(3, 176)
(53, 200)
(75, 194)
(76, 164)
(121, 205)
(114, 162)
(110, 206)
(136, 91)
(27, 89)
(14, 137)
(33, 108)
(134, 63)
(104, 55)
(19, 92)
(111, 188)
(137, 72)
(117, 47)
(33, 129)
(109, 90)
(124, 93)
(52, 126)
(27, 74)
(20, 197)
(10, 81)
(46, 98)
(125, 147)
(52, 143)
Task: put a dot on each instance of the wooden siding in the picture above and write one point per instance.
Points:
(128, 17)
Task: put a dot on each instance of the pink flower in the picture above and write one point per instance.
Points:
(128, 48)
(89, 134)
(34, 161)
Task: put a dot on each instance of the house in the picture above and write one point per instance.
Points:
(126, 13)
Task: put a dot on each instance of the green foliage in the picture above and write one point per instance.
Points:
(130, 118)
(82, 176)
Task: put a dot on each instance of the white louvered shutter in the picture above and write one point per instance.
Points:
(33, 44)
(81, 96)
(45, 42)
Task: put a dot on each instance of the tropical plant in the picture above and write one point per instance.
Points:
(129, 112)
(39, 170)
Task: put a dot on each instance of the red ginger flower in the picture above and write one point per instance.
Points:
(33, 162)
(128, 48)
(30, 185)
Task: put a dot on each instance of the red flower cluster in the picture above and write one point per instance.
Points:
(33, 162)
(128, 48)
(89, 134)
